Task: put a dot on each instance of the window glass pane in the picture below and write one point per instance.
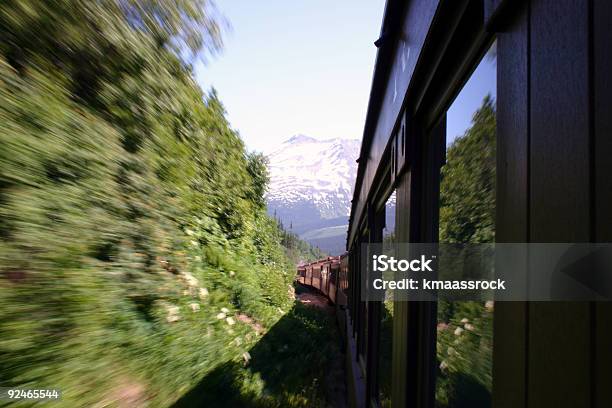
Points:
(386, 323)
(467, 214)
(362, 319)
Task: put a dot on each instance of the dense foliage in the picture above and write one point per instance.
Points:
(467, 187)
(467, 215)
(297, 250)
(135, 250)
(298, 363)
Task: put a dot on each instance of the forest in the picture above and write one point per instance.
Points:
(136, 255)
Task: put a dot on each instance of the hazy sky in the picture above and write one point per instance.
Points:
(305, 66)
(289, 67)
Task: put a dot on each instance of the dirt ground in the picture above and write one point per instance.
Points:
(311, 298)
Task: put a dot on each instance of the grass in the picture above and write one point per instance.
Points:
(292, 365)
(109, 353)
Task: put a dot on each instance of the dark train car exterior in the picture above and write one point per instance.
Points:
(554, 184)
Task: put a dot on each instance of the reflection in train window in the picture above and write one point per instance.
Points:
(467, 214)
(363, 312)
(386, 317)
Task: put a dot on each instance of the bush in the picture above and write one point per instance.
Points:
(132, 231)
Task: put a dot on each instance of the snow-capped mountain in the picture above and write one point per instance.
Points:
(311, 186)
(321, 172)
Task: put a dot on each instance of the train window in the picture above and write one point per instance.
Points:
(467, 215)
(386, 318)
(354, 287)
(362, 314)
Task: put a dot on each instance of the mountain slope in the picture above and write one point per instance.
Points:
(311, 184)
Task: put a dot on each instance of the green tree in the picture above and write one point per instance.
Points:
(467, 187)
(257, 166)
(467, 215)
(131, 215)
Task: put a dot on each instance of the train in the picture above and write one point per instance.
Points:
(553, 181)
(328, 276)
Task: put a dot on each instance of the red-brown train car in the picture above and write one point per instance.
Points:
(328, 275)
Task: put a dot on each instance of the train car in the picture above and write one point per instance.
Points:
(332, 283)
(323, 275)
(316, 275)
(307, 274)
(553, 184)
(342, 281)
(301, 273)
(340, 295)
